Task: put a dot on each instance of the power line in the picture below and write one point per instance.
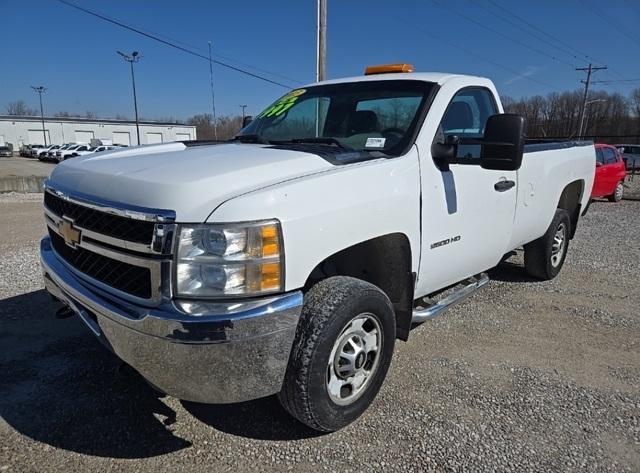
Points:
(173, 45)
(614, 81)
(499, 33)
(473, 54)
(203, 50)
(540, 30)
(566, 47)
(511, 22)
(616, 24)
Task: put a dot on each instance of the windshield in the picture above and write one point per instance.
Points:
(365, 116)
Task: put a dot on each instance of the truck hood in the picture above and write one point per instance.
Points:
(192, 181)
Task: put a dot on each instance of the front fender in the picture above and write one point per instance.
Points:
(328, 212)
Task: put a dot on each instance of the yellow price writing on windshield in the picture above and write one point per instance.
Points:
(282, 104)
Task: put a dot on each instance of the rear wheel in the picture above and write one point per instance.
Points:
(617, 194)
(544, 257)
(342, 351)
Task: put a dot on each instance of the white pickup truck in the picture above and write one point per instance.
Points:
(291, 258)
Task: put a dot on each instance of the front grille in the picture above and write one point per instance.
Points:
(134, 280)
(123, 228)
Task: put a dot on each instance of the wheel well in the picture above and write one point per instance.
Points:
(570, 201)
(384, 261)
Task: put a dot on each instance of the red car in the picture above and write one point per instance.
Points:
(610, 173)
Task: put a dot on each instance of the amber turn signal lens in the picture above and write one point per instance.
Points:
(270, 276)
(270, 243)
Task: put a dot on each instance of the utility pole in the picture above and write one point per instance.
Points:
(40, 89)
(213, 97)
(589, 70)
(321, 55)
(243, 115)
(135, 57)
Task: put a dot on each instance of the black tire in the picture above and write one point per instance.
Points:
(617, 194)
(540, 259)
(329, 308)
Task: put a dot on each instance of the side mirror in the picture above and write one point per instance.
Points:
(503, 142)
(598, 164)
(246, 120)
(445, 153)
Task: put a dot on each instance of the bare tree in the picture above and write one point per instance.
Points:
(608, 115)
(228, 126)
(19, 108)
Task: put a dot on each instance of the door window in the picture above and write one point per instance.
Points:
(599, 156)
(609, 156)
(466, 117)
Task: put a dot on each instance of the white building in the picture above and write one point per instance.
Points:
(28, 130)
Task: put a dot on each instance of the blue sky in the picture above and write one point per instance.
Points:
(43, 42)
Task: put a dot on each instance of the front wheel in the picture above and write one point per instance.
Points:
(544, 257)
(342, 351)
(617, 194)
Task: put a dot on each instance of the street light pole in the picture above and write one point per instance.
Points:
(242, 107)
(213, 97)
(135, 57)
(586, 117)
(40, 89)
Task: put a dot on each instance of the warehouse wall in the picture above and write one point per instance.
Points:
(27, 131)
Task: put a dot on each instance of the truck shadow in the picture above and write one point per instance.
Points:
(511, 269)
(62, 388)
(510, 272)
(262, 419)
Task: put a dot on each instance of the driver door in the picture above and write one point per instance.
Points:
(467, 211)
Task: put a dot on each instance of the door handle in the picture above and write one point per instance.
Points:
(502, 186)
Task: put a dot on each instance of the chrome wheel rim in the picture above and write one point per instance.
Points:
(557, 248)
(619, 191)
(354, 359)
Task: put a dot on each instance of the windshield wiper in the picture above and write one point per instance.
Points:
(314, 140)
(250, 139)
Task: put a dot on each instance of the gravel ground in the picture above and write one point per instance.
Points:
(523, 376)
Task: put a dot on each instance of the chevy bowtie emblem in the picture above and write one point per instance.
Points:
(70, 234)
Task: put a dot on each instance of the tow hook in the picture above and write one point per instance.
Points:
(64, 313)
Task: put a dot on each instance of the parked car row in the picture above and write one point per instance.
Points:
(58, 153)
(30, 151)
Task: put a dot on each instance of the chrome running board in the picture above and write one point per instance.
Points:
(467, 287)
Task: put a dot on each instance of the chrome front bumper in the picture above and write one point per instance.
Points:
(229, 352)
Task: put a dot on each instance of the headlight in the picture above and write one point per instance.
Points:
(217, 260)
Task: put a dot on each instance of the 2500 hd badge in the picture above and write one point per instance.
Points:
(438, 244)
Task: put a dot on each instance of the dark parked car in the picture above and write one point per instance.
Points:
(631, 156)
(25, 151)
(5, 152)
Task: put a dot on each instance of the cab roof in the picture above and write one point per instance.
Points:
(436, 77)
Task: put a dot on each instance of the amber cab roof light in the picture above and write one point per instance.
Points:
(388, 68)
